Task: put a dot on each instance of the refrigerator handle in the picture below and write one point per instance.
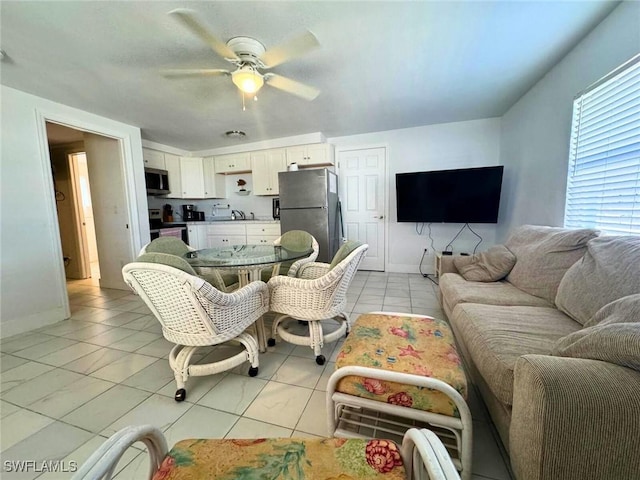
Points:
(342, 237)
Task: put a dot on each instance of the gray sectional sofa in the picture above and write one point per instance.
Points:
(549, 327)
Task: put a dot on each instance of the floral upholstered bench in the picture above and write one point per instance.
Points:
(421, 455)
(398, 370)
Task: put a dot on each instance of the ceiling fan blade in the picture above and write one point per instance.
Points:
(284, 52)
(188, 18)
(194, 72)
(291, 86)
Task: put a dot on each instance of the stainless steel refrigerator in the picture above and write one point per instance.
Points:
(309, 202)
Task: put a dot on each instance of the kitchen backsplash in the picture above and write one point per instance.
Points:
(259, 205)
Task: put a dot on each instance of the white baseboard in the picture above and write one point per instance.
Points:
(9, 328)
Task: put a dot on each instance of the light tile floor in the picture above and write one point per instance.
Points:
(67, 387)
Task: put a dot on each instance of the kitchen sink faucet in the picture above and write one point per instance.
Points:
(237, 215)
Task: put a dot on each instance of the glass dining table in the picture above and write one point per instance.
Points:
(247, 261)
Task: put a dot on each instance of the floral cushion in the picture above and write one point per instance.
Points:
(281, 458)
(417, 345)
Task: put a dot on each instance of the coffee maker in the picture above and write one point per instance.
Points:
(188, 212)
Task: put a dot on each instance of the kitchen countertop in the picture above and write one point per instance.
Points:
(226, 220)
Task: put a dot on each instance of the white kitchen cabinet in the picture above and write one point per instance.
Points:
(172, 165)
(192, 177)
(225, 234)
(265, 166)
(315, 154)
(214, 185)
(262, 233)
(197, 236)
(233, 163)
(153, 159)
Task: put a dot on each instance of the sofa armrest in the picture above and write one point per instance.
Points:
(447, 265)
(574, 419)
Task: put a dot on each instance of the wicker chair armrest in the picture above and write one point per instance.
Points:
(102, 463)
(306, 284)
(237, 296)
(313, 270)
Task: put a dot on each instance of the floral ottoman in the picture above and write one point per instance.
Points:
(326, 459)
(406, 367)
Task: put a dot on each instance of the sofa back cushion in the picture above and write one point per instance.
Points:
(489, 266)
(543, 255)
(614, 335)
(610, 269)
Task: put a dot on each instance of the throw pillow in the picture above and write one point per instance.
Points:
(489, 266)
(543, 255)
(614, 336)
(610, 269)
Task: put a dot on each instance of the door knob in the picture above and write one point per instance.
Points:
(380, 217)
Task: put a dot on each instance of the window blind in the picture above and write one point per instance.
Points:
(603, 183)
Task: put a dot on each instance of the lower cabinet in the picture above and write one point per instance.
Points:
(224, 234)
(265, 233)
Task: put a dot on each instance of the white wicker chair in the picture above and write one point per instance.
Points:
(174, 246)
(295, 266)
(423, 454)
(194, 314)
(319, 292)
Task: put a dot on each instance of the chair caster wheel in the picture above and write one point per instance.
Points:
(271, 342)
(181, 394)
(253, 371)
(320, 359)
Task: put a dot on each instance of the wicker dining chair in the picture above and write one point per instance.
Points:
(226, 282)
(195, 314)
(298, 241)
(318, 292)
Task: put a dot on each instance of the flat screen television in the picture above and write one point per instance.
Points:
(469, 195)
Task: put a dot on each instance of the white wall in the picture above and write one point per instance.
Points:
(32, 289)
(435, 147)
(536, 130)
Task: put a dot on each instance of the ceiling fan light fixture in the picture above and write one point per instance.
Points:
(235, 134)
(247, 79)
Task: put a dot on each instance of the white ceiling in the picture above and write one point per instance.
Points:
(381, 65)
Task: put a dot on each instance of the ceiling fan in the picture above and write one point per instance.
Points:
(249, 57)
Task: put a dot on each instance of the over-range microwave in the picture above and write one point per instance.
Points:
(157, 181)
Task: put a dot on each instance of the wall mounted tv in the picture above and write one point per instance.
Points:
(470, 195)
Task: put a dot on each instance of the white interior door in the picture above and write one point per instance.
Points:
(362, 194)
(110, 209)
(79, 211)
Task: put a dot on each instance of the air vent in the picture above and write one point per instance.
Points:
(237, 134)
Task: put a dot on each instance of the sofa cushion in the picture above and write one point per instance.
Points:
(454, 289)
(489, 266)
(614, 336)
(496, 336)
(544, 254)
(609, 269)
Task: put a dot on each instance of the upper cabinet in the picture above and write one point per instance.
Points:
(265, 166)
(233, 163)
(153, 159)
(214, 185)
(315, 154)
(172, 165)
(193, 177)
